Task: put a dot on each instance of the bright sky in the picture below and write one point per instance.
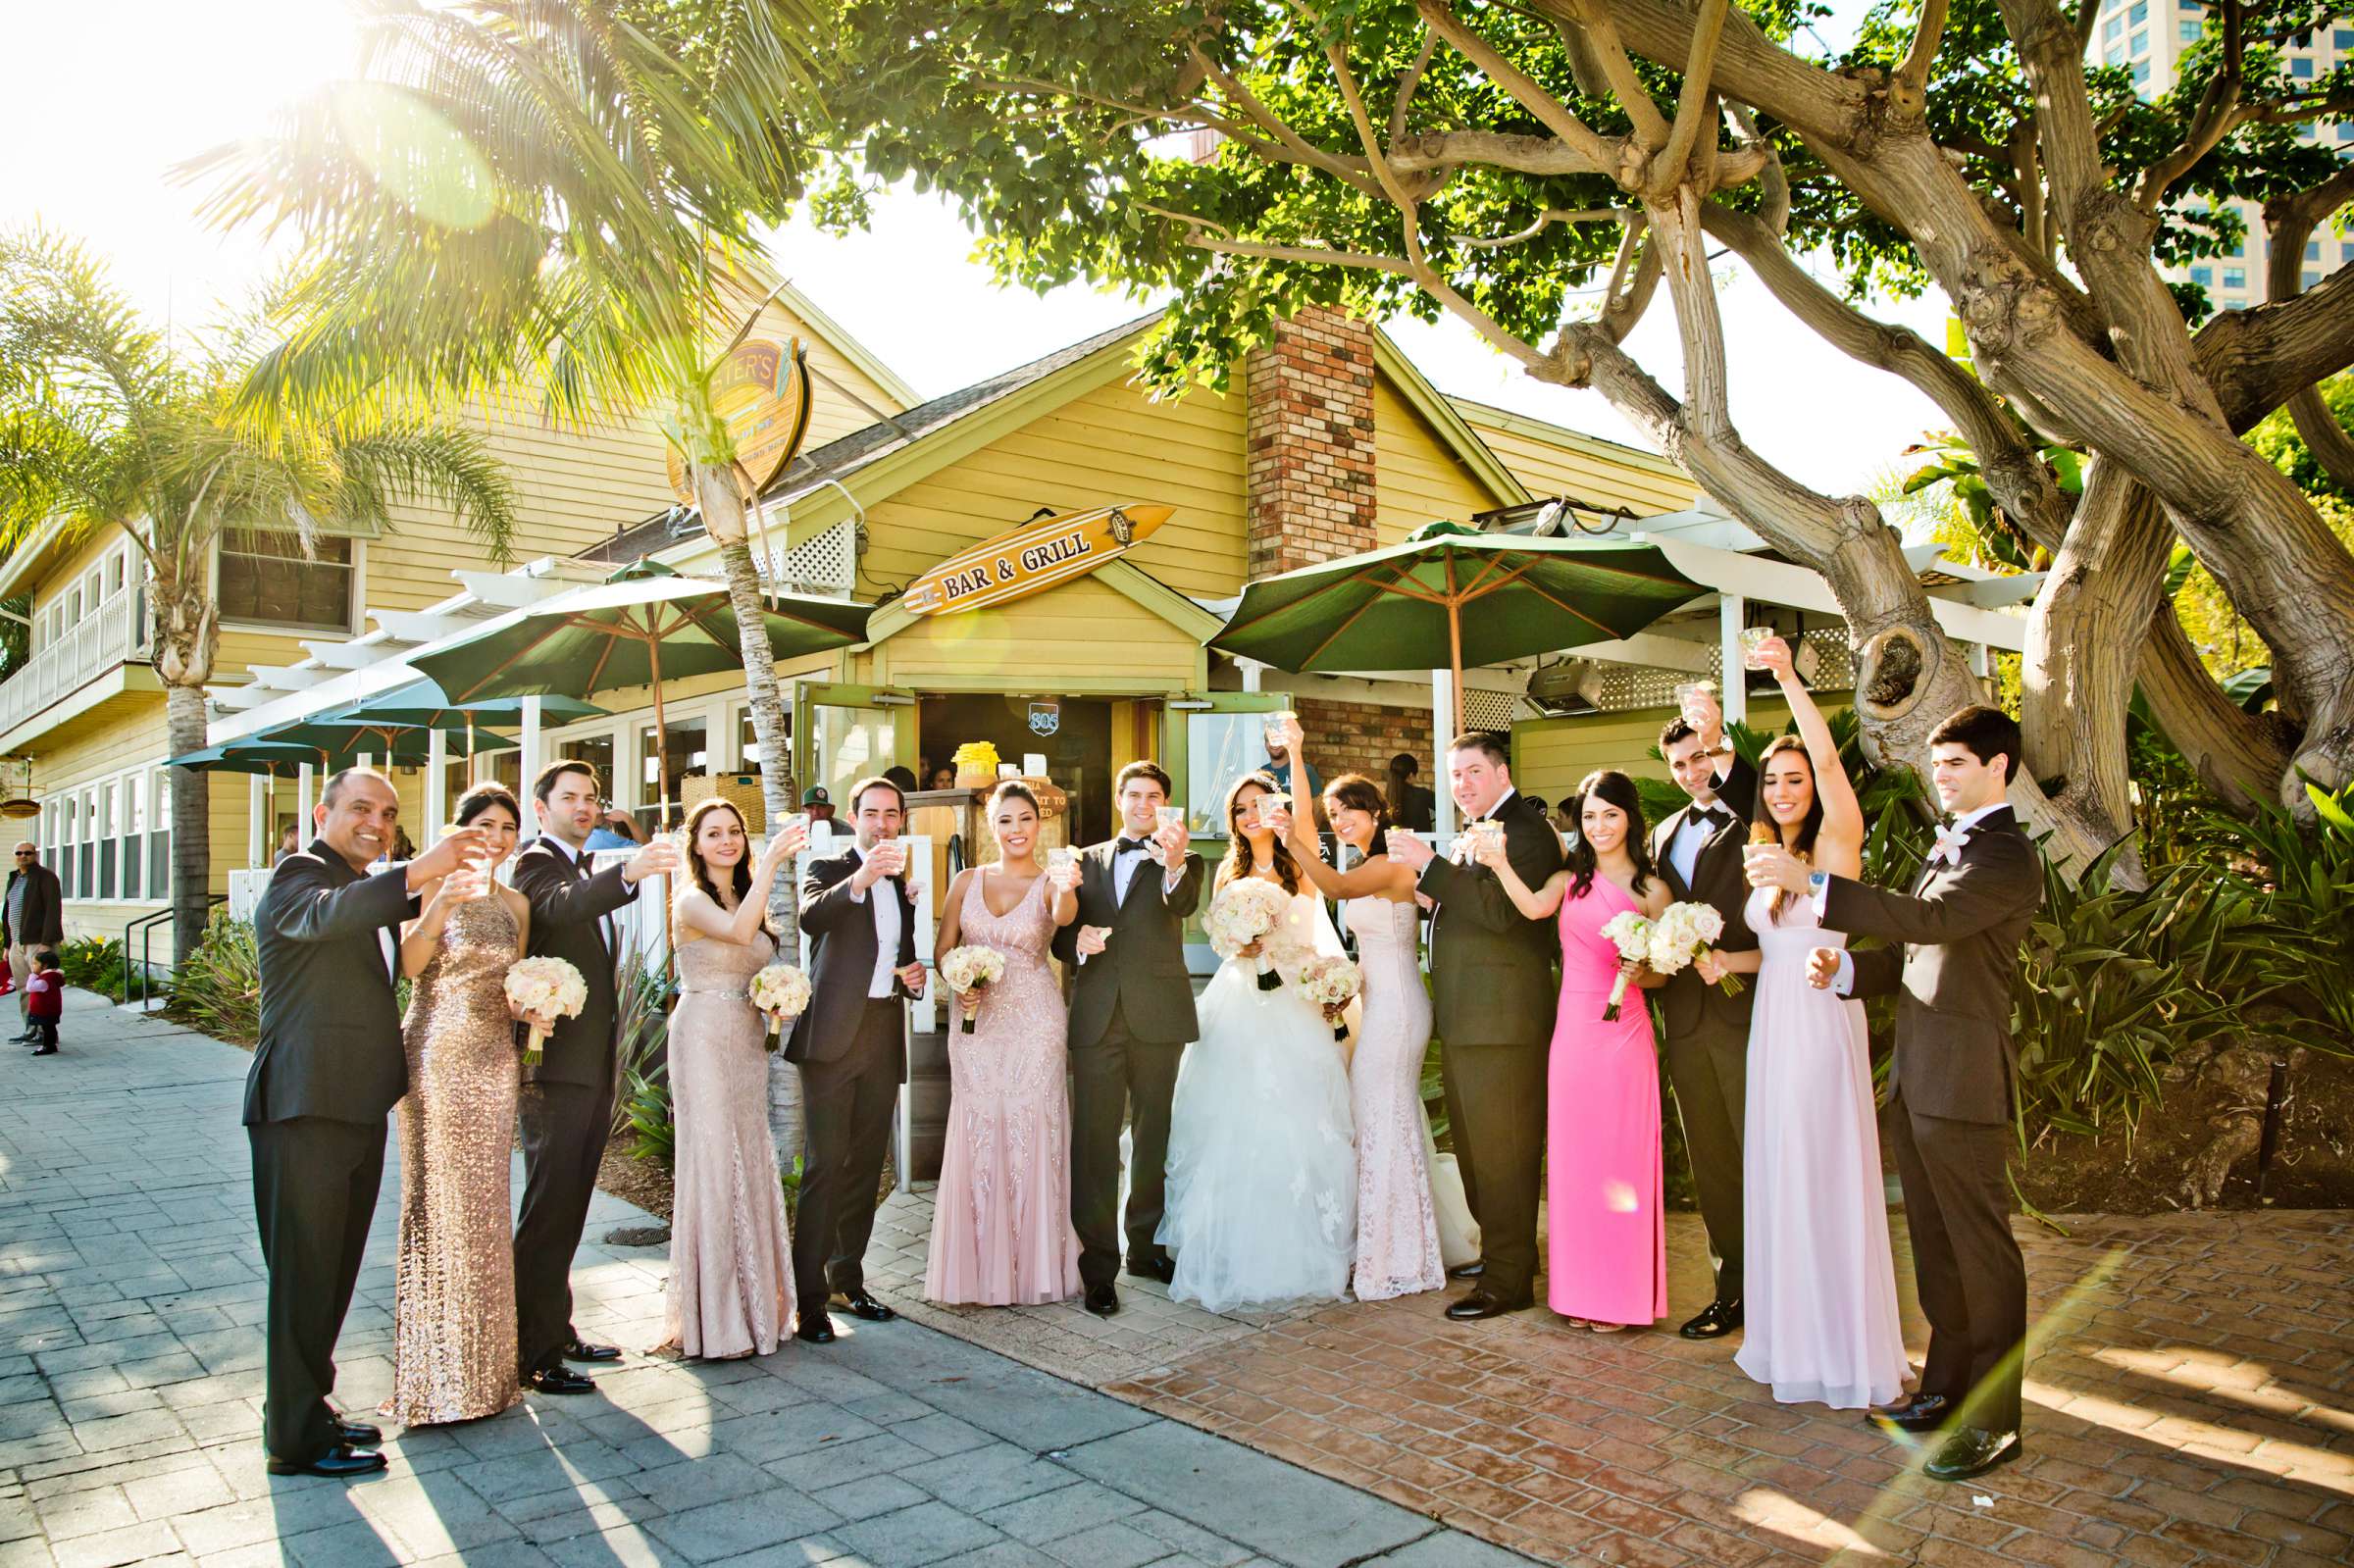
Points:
(131, 86)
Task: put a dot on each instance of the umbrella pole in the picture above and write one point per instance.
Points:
(1455, 654)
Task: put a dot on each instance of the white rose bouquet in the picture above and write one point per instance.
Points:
(1631, 933)
(972, 969)
(782, 993)
(1249, 910)
(1681, 933)
(1330, 982)
(545, 988)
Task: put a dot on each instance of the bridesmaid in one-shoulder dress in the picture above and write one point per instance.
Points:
(1002, 1233)
(453, 1293)
(1606, 1235)
(730, 1257)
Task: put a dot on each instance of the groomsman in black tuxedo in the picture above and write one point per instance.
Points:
(1950, 1086)
(1734, 780)
(851, 1043)
(326, 1072)
(1493, 969)
(567, 1104)
(1697, 849)
(1132, 1016)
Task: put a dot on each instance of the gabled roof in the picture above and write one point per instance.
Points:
(876, 462)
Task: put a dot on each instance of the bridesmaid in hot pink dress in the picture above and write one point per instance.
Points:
(1001, 1231)
(1606, 1233)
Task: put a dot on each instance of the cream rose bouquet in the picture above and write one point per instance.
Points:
(1630, 933)
(1681, 933)
(1249, 911)
(545, 988)
(972, 969)
(781, 993)
(1329, 982)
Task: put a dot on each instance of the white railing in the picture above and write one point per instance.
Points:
(112, 634)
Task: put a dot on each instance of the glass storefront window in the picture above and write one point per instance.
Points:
(1219, 749)
(687, 744)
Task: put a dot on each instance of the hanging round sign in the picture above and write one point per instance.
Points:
(761, 394)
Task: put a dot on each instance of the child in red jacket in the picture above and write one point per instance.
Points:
(45, 1001)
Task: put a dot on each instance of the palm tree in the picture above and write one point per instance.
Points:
(102, 425)
(556, 194)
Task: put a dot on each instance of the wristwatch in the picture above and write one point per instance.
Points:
(1819, 882)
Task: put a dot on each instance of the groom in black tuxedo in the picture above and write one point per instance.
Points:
(1698, 850)
(851, 1044)
(1493, 968)
(327, 1071)
(1949, 1106)
(1132, 1016)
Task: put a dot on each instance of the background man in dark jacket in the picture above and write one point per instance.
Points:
(567, 1104)
(32, 918)
(850, 1042)
(1698, 850)
(325, 1074)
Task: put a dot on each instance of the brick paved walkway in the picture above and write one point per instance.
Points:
(129, 1356)
(2190, 1400)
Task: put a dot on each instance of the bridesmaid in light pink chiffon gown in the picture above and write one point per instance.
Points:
(1001, 1231)
(1606, 1235)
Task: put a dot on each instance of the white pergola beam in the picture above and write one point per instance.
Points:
(511, 593)
(1779, 582)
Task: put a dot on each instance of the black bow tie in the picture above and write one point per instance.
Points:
(1714, 816)
(1123, 846)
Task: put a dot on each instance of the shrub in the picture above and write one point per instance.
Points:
(217, 989)
(2307, 888)
(644, 1106)
(93, 963)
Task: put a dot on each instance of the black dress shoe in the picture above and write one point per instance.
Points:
(1163, 1269)
(339, 1463)
(358, 1434)
(558, 1379)
(1103, 1300)
(816, 1328)
(1972, 1451)
(865, 1308)
(1923, 1412)
(1468, 1271)
(583, 1350)
(1482, 1304)
(1720, 1319)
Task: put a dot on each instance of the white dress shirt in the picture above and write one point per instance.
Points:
(1683, 850)
(1844, 982)
(886, 939)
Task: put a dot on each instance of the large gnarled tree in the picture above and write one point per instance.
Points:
(1493, 162)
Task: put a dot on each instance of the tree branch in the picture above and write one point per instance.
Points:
(2216, 118)
(1412, 80)
(1549, 110)
(1908, 90)
(1351, 170)
(1548, 218)
(2288, 220)
(1695, 103)
(1602, 30)
(1496, 149)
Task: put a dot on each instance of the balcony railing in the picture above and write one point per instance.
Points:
(114, 634)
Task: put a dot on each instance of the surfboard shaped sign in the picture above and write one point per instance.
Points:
(1032, 557)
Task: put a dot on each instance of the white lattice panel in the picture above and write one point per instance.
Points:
(1489, 710)
(825, 563)
(1633, 685)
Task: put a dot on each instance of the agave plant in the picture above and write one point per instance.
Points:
(2307, 890)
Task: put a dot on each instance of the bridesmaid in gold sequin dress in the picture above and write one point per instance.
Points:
(453, 1304)
(731, 1256)
(1001, 1231)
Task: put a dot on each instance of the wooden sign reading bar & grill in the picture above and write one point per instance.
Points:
(1032, 557)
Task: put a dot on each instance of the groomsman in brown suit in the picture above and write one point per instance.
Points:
(1955, 953)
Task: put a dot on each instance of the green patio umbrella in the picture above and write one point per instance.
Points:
(272, 757)
(642, 627)
(424, 705)
(404, 744)
(1403, 607)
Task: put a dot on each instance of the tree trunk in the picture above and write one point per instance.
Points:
(186, 634)
(715, 488)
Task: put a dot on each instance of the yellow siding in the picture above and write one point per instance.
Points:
(1417, 477)
(1113, 444)
(1552, 461)
(1079, 637)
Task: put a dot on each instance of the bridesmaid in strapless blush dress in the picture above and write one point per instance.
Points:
(1002, 1233)
(731, 1258)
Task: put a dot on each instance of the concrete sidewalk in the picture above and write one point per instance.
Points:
(131, 1295)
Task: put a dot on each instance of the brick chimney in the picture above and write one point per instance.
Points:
(1309, 429)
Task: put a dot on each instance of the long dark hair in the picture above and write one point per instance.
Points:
(1354, 791)
(1400, 793)
(1615, 788)
(1802, 843)
(701, 873)
(482, 797)
(1013, 789)
(1240, 857)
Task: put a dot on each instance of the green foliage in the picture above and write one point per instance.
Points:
(217, 989)
(644, 1029)
(2276, 436)
(93, 963)
(2306, 887)
(2113, 985)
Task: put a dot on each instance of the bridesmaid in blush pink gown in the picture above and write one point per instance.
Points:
(1605, 1233)
(1001, 1231)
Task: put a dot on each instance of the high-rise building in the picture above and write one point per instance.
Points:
(2150, 38)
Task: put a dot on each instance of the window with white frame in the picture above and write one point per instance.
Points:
(266, 580)
(134, 826)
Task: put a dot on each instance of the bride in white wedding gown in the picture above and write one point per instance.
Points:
(1262, 1161)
